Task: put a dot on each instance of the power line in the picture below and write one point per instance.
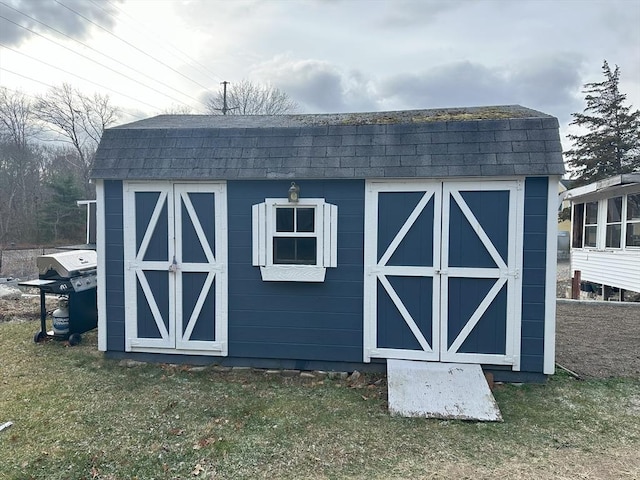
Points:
(104, 55)
(65, 71)
(131, 45)
(20, 92)
(155, 37)
(27, 77)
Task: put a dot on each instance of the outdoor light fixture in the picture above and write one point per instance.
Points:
(294, 193)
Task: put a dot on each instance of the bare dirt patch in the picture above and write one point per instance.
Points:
(599, 340)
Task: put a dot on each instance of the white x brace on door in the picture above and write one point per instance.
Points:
(442, 271)
(175, 251)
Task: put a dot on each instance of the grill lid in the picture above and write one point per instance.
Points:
(68, 264)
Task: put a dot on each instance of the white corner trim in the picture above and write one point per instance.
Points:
(293, 273)
(101, 266)
(550, 287)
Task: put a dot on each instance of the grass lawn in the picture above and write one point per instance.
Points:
(78, 415)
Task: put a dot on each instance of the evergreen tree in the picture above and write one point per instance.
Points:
(611, 145)
(61, 220)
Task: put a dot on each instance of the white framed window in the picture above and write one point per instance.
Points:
(613, 232)
(294, 242)
(633, 220)
(608, 223)
(590, 224)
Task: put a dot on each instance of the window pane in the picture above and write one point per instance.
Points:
(578, 225)
(633, 207)
(284, 219)
(614, 210)
(592, 213)
(633, 234)
(590, 234)
(294, 250)
(284, 250)
(305, 219)
(614, 232)
(306, 251)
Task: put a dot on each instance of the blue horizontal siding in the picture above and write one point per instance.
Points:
(114, 265)
(305, 321)
(534, 274)
(317, 321)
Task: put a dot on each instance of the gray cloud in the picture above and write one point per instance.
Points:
(54, 14)
(407, 13)
(551, 84)
(548, 84)
(318, 86)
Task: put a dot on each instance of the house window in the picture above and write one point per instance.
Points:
(294, 242)
(614, 222)
(578, 225)
(633, 220)
(591, 224)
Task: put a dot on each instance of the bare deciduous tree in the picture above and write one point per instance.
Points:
(247, 98)
(78, 119)
(178, 109)
(19, 166)
(17, 121)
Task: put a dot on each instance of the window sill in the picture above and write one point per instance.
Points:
(292, 273)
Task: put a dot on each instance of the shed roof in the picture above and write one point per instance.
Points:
(477, 141)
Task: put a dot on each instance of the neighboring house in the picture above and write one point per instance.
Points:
(605, 243)
(332, 242)
(564, 225)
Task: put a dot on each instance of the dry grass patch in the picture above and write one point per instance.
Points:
(78, 415)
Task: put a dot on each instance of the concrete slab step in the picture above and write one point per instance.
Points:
(440, 390)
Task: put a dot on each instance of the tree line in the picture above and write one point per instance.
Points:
(47, 146)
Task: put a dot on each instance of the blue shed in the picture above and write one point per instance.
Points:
(331, 242)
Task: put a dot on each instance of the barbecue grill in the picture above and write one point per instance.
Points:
(71, 274)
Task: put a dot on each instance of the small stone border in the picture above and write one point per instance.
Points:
(315, 374)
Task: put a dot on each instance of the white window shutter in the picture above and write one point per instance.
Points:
(259, 233)
(330, 233)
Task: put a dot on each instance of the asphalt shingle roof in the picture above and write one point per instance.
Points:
(479, 141)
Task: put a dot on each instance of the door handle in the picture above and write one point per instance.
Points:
(173, 267)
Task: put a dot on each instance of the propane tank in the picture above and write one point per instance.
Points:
(61, 318)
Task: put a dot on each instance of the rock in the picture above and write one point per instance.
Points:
(131, 363)
(221, 368)
(354, 377)
(9, 293)
(197, 369)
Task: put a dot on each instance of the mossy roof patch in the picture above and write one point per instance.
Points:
(338, 119)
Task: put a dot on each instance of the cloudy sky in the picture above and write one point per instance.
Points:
(328, 55)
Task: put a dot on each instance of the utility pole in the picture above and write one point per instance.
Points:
(224, 108)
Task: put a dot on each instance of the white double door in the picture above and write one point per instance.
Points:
(175, 251)
(442, 271)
